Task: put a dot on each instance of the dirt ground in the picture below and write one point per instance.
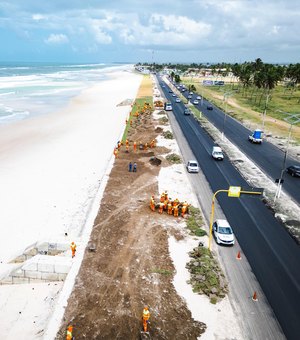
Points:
(131, 266)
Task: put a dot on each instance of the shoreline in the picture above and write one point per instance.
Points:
(47, 156)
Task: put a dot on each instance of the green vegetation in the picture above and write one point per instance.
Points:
(206, 275)
(168, 135)
(161, 271)
(163, 120)
(173, 159)
(139, 102)
(195, 222)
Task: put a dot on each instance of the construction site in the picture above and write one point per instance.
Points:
(127, 266)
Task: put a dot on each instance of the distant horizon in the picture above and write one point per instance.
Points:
(139, 62)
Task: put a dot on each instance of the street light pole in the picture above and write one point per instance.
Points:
(291, 119)
(226, 95)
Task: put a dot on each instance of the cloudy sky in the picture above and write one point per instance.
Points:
(150, 30)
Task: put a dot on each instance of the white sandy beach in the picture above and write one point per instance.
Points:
(51, 170)
(51, 165)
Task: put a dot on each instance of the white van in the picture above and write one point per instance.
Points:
(217, 153)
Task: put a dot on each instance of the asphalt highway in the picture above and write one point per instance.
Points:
(272, 254)
(267, 156)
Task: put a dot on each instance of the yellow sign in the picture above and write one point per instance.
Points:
(234, 191)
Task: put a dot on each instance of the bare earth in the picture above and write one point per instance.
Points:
(131, 266)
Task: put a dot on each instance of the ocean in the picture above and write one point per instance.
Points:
(30, 89)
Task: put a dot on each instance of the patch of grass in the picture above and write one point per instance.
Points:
(163, 120)
(195, 222)
(213, 300)
(161, 271)
(173, 159)
(206, 275)
(145, 87)
(168, 135)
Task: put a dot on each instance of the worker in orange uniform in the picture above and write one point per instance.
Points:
(146, 317)
(152, 203)
(69, 333)
(73, 249)
(162, 197)
(127, 142)
(134, 146)
(175, 209)
(170, 208)
(184, 209)
(176, 202)
(166, 196)
(152, 144)
(161, 207)
(127, 148)
(146, 146)
(116, 152)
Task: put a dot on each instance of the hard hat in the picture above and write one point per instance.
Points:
(146, 308)
(72, 243)
(70, 328)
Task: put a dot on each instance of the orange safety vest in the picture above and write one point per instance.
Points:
(69, 333)
(146, 314)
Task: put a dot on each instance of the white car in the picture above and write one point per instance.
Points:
(173, 95)
(196, 102)
(217, 153)
(177, 100)
(223, 233)
(198, 97)
(192, 166)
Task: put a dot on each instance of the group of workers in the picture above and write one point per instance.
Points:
(142, 146)
(165, 203)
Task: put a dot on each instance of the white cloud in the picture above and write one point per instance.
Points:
(38, 17)
(56, 39)
(165, 30)
(98, 28)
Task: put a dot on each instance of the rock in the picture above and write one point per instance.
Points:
(214, 290)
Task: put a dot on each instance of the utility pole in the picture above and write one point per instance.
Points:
(292, 118)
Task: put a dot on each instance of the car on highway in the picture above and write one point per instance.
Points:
(191, 93)
(198, 97)
(293, 170)
(183, 90)
(223, 232)
(192, 166)
(177, 100)
(196, 102)
(187, 112)
(209, 107)
(217, 153)
(189, 96)
(173, 95)
(170, 91)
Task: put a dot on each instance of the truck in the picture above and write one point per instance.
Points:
(256, 137)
